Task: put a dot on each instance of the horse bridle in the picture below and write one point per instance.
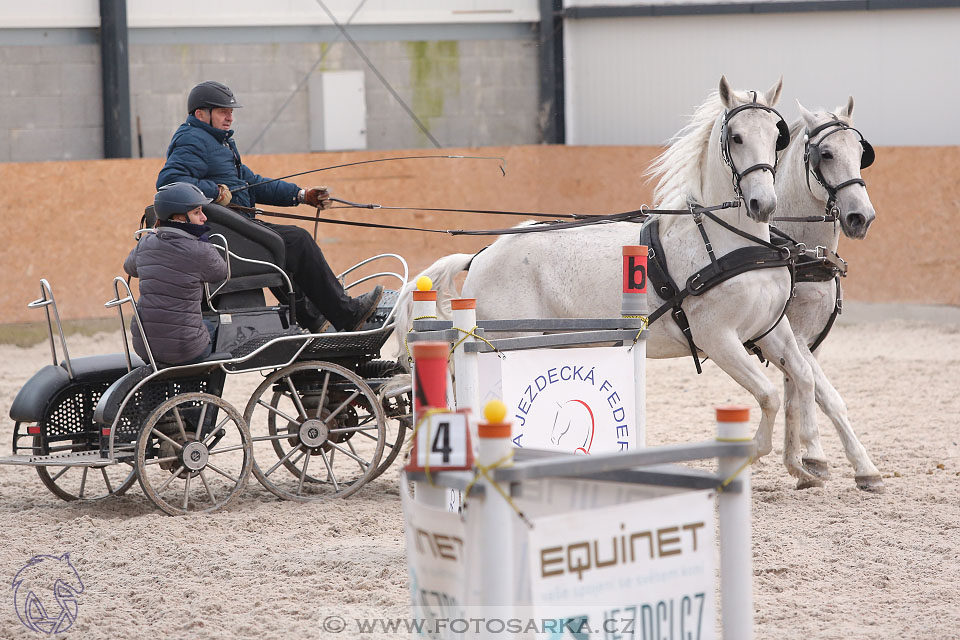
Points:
(783, 139)
(811, 160)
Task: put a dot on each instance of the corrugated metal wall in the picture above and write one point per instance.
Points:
(632, 80)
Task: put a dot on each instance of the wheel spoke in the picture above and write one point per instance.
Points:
(354, 450)
(106, 479)
(159, 460)
(332, 478)
(215, 431)
(164, 436)
(223, 473)
(83, 482)
(355, 429)
(206, 486)
(350, 454)
(323, 392)
(203, 414)
(272, 408)
(179, 420)
(306, 463)
(224, 449)
(279, 436)
(342, 406)
(296, 399)
(62, 471)
(166, 483)
(283, 459)
(186, 492)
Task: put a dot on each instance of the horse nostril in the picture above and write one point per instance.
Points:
(754, 205)
(856, 220)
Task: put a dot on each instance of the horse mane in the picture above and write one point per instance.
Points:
(679, 166)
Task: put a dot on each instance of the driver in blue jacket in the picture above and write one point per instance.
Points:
(203, 152)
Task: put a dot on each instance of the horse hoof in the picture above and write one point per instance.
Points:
(819, 468)
(809, 483)
(872, 484)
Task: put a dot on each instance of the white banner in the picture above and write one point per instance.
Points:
(436, 559)
(644, 570)
(572, 400)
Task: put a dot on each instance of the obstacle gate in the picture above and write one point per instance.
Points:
(555, 544)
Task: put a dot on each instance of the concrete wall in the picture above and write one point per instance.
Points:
(72, 222)
(469, 84)
(634, 80)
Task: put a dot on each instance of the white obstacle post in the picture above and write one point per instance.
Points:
(736, 559)
(634, 304)
(467, 379)
(496, 519)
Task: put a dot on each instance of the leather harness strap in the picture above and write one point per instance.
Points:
(765, 256)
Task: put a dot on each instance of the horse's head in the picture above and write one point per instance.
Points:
(752, 133)
(834, 154)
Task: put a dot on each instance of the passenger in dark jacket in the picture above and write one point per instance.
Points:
(172, 264)
(203, 152)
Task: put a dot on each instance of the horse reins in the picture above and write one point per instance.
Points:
(576, 220)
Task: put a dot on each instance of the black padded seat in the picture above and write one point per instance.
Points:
(103, 367)
(109, 403)
(34, 396)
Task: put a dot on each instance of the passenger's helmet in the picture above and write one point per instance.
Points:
(210, 94)
(178, 197)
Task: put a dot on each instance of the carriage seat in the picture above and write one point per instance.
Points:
(40, 389)
(100, 368)
(248, 238)
(37, 392)
(110, 401)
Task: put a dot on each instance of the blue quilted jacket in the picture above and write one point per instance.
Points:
(206, 157)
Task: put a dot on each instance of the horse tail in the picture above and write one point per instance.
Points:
(442, 272)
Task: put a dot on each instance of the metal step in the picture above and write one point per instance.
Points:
(65, 459)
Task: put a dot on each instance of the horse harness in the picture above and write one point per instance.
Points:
(783, 140)
(766, 255)
(812, 156)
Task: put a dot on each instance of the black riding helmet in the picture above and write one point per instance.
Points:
(210, 94)
(178, 197)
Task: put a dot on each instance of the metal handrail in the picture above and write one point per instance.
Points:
(206, 285)
(46, 301)
(402, 278)
(118, 302)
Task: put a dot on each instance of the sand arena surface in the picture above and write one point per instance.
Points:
(828, 563)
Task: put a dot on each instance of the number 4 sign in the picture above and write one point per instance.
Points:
(442, 442)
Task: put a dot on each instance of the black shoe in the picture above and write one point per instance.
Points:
(367, 304)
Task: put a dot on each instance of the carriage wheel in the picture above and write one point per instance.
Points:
(193, 454)
(318, 432)
(85, 483)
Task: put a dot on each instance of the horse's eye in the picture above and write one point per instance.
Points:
(826, 155)
(737, 139)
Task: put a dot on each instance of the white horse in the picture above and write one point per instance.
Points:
(577, 272)
(830, 184)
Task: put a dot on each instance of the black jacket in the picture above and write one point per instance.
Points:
(172, 266)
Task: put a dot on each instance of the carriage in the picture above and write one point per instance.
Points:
(320, 424)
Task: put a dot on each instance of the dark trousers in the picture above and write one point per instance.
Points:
(313, 279)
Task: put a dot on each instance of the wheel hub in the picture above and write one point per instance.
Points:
(313, 433)
(194, 456)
